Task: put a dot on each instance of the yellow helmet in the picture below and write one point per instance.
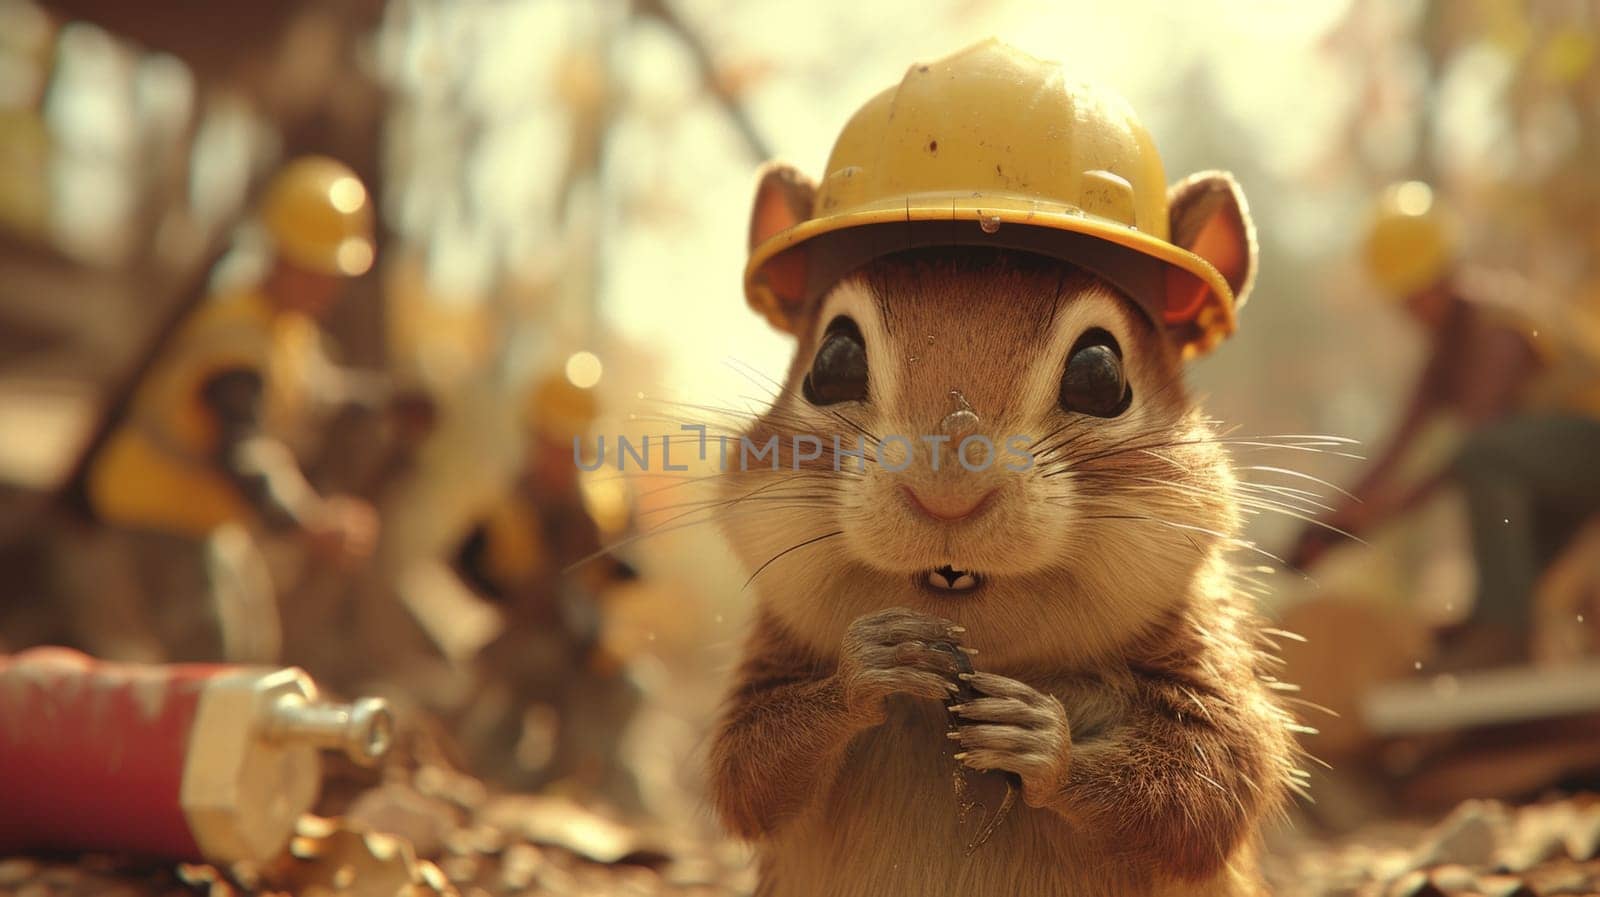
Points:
(1411, 241)
(561, 409)
(992, 146)
(320, 217)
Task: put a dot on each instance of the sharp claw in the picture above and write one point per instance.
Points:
(961, 755)
(970, 652)
(957, 708)
(966, 677)
(953, 735)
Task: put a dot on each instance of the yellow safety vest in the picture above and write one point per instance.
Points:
(159, 469)
(1562, 331)
(1570, 350)
(515, 554)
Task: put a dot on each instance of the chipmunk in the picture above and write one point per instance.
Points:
(1119, 675)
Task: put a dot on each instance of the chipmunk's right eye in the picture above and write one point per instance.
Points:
(839, 371)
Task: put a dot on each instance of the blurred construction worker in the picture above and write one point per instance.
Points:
(537, 554)
(1520, 390)
(199, 460)
(542, 526)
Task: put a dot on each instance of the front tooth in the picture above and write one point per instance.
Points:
(963, 582)
(937, 581)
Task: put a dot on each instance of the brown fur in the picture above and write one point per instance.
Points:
(1123, 673)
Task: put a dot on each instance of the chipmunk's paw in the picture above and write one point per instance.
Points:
(896, 651)
(1017, 728)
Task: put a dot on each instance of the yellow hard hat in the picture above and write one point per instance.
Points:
(991, 146)
(1411, 241)
(320, 217)
(559, 408)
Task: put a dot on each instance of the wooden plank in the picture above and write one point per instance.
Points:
(1492, 697)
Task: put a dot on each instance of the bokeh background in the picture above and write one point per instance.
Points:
(563, 190)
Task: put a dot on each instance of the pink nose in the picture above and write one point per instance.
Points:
(951, 507)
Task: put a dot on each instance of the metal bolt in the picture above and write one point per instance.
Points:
(363, 729)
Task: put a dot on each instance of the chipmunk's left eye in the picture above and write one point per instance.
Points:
(1094, 381)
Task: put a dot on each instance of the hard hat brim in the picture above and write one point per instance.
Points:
(774, 275)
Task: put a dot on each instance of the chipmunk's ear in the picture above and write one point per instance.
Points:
(1208, 217)
(783, 199)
